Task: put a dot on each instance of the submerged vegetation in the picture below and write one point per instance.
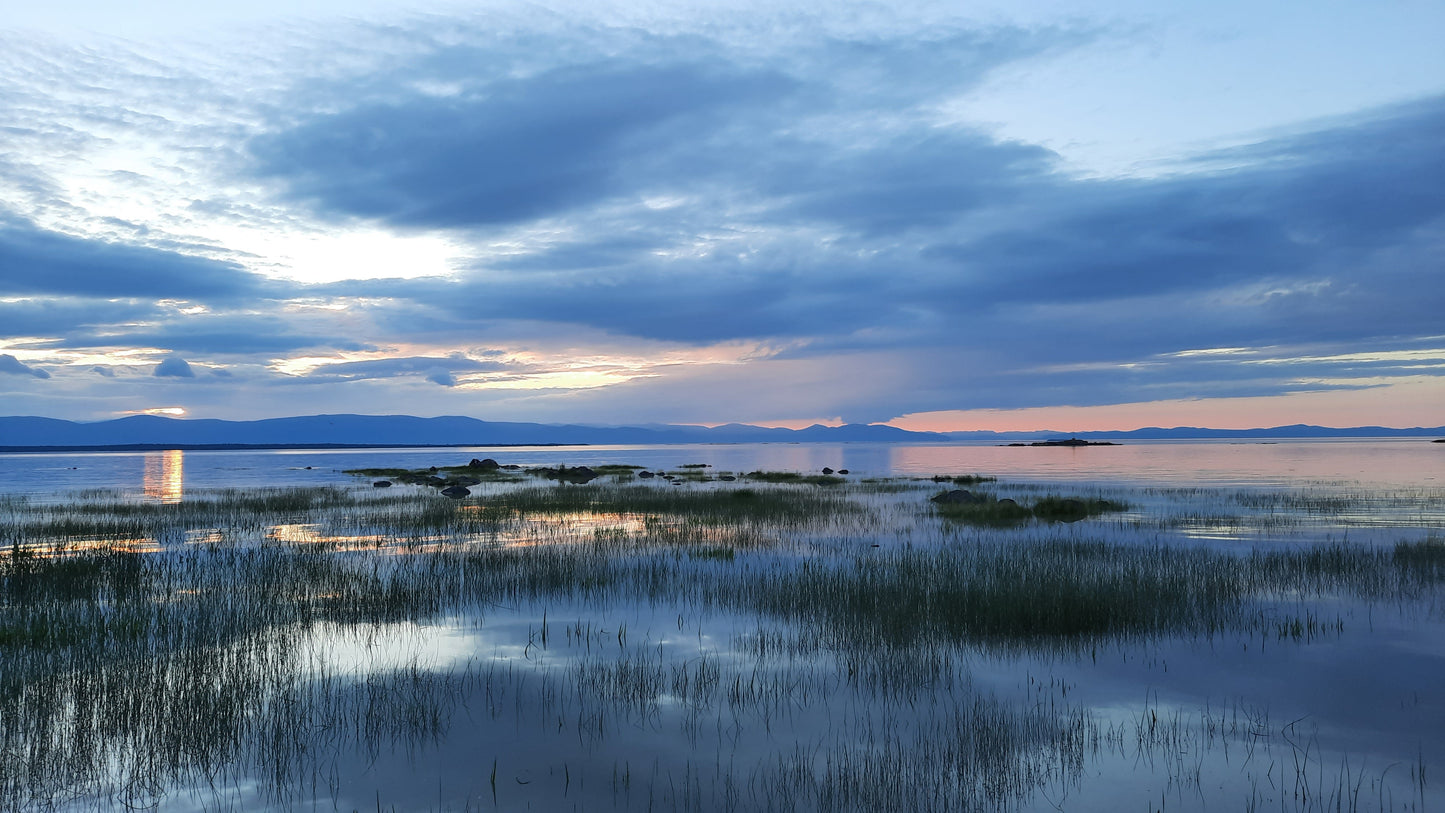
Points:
(812, 648)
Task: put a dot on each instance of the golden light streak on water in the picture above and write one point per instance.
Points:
(61, 548)
(164, 478)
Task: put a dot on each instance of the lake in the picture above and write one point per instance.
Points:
(1253, 625)
(1367, 463)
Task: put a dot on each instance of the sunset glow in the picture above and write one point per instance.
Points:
(1033, 215)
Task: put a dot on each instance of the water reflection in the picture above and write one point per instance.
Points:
(164, 476)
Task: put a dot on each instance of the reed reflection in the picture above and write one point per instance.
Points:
(164, 477)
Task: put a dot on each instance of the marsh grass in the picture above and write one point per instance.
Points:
(963, 479)
(795, 478)
(125, 675)
(989, 510)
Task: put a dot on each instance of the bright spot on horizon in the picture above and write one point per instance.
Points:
(173, 412)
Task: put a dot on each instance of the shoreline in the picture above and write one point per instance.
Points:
(263, 447)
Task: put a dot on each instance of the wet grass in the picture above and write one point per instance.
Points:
(963, 479)
(795, 478)
(126, 675)
(989, 510)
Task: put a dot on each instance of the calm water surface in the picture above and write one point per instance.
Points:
(1392, 463)
(1342, 717)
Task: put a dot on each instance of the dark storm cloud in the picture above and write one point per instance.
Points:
(35, 261)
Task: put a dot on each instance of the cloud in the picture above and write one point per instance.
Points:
(818, 192)
(611, 116)
(174, 367)
(438, 370)
(12, 365)
(46, 316)
(35, 261)
(516, 150)
(225, 335)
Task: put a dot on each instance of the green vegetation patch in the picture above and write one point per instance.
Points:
(1073, 509)
(441, 476)
(794, 477)
(691, 474)
(1049, 594)
(963, 479)
(989, 511)
(980, 508)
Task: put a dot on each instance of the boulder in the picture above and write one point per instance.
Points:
(827, 470)
(726, 478)
(456, 492)
(486, 464)
(646, 475)
(842, 471)
(381, 484)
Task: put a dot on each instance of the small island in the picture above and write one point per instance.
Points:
(1069, 442)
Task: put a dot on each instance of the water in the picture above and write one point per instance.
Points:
(1372, 464)
(617, 701)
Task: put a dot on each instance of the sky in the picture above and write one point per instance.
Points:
(943, 216)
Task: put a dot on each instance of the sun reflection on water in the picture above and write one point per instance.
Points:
(164, 478)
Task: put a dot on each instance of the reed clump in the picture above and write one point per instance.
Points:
(986, 509)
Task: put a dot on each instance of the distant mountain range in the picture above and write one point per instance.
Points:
(321, 431)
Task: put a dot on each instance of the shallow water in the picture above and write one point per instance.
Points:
(1372, 464)
(676, 700)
